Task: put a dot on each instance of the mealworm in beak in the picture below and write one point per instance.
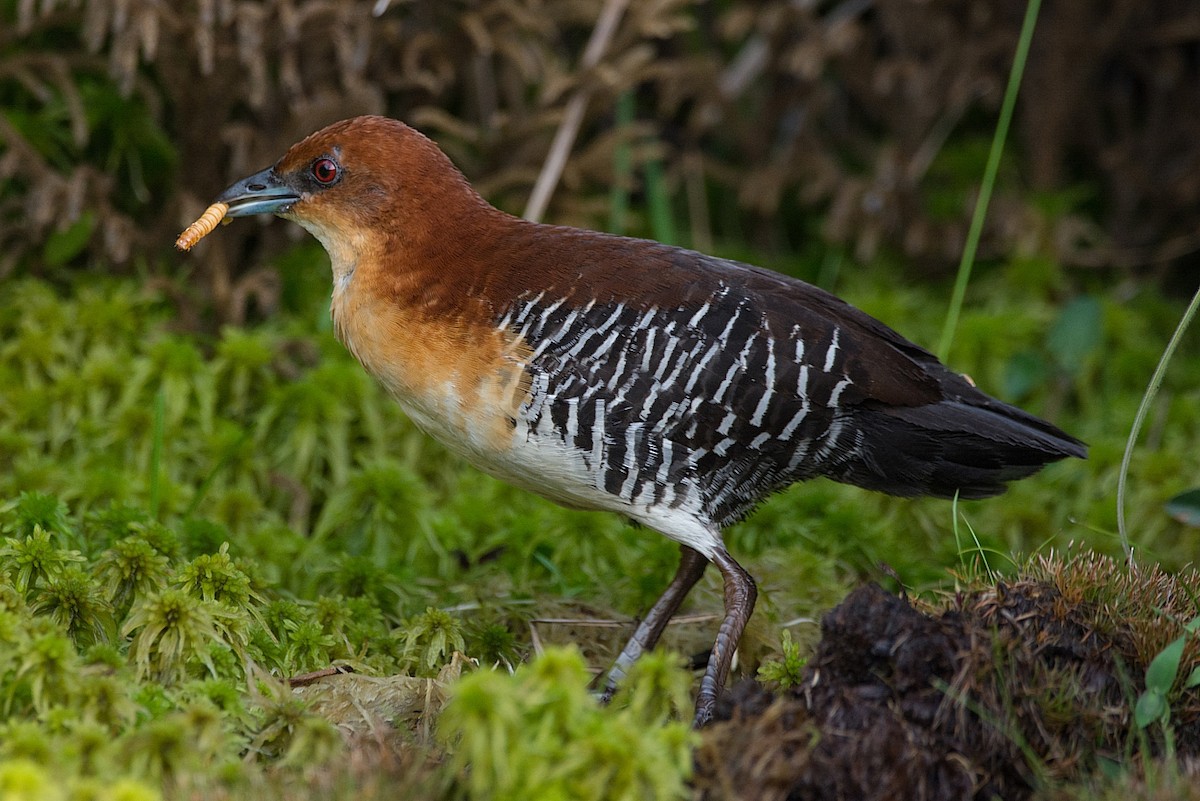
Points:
(201, 227)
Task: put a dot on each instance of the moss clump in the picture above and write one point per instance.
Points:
(537, 733)
(23, 780)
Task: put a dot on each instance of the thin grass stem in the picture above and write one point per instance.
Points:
(989, 180)
(662, 223)
(1140, 418)
(156, 450)
(618, 195)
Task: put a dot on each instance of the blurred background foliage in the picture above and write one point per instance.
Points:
(857, 127)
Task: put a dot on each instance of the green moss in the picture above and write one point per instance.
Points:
(537, 733)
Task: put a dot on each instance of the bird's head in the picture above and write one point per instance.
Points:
(355, 181)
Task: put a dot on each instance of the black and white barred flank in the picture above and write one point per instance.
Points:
(751, 382)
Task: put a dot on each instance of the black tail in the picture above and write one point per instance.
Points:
(970, 445)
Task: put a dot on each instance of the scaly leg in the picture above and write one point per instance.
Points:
(740, 594)
(691, 568)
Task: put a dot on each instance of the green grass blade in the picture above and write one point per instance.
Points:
(222, 462)
(618, 195)
(989, 179)
(1140, 417)
(661, 220)
(156, 450)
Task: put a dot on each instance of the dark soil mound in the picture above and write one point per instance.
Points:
(1009, 686)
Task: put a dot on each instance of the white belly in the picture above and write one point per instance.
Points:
(540, 462)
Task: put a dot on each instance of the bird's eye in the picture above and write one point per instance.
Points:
(325, 171)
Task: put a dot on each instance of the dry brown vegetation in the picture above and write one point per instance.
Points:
(876, 115)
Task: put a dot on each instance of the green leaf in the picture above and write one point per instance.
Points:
(1164, 667)
(64, 245)
(1193, 678)
(1185, 507)
(1151, 706)
(1025, 371)
(1110, 768)
(1076, 333)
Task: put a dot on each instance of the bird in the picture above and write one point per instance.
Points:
(610, 373)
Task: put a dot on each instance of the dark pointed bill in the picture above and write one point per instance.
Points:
(261, 193)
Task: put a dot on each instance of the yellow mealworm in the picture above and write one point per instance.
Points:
(201, 227)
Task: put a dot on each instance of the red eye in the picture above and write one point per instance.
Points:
(325, 170)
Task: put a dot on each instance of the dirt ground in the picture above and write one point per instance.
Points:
(1012, 688)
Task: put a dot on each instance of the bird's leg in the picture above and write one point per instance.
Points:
(691, 568)
(740, 594)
